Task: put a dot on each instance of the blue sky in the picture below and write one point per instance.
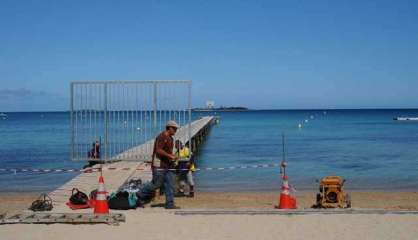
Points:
(260, 54)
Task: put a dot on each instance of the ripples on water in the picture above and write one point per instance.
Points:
(366, 147)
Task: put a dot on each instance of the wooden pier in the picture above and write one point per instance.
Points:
(117, 173)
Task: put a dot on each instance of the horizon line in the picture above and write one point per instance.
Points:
(250, 109)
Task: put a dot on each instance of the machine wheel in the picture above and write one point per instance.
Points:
(318, 201)
(318, 198)
(348, 200)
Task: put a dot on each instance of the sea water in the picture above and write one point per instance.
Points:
(366, 147)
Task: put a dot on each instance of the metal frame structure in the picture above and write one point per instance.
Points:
(125, 116)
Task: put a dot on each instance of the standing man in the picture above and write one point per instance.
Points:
(163, 165)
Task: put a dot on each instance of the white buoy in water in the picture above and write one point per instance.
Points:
(300, 125)
(306, 120)
(138, 128)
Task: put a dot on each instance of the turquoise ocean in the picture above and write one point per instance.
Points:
(366, 147)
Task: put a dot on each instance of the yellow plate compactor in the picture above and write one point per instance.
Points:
(331, 194)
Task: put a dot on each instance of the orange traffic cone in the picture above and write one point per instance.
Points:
(101, 206)
(286, 201)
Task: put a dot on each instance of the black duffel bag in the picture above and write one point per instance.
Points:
(78, 198)
(120, 201)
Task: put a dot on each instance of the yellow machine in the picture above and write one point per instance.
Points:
(331, 194)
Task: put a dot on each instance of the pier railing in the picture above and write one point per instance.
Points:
(110, 117)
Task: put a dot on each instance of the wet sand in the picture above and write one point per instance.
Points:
(15, 202)
(266, 200)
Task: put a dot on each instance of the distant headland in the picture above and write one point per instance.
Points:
(221, 109)
(210, 107)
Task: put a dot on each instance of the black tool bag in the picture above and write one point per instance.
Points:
(78, 198)
(120, 201)
(43, 203)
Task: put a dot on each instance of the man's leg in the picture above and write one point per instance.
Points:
(181, 184)
(191, 183)
(169, 185)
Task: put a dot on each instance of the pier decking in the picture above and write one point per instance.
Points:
(117, 173)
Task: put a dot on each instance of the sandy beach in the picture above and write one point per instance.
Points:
(161, 224)
(15, 202)
(158, 223)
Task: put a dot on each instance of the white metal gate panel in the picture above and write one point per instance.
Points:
(123, 117)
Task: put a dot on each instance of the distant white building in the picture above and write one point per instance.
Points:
(210, 104)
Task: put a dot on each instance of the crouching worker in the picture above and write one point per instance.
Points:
(186, 167)
(93, 155)
(163, 164)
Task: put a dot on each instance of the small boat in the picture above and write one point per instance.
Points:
(3, 115)
(405, 118)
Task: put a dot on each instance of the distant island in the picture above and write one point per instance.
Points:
(221, 109)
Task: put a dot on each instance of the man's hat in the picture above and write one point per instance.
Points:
(172, 124)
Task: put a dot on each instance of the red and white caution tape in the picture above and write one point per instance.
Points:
(95, 169)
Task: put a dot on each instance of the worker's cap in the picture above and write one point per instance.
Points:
(172, 124)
